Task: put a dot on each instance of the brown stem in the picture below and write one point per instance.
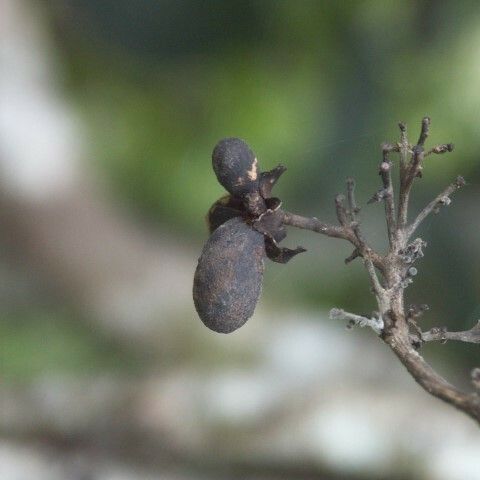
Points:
(315, 225)
(392, 322)
(430, 380)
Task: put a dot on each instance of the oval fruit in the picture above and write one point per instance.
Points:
(229, 275)
(236, 166)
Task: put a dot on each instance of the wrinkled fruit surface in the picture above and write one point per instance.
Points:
(229, 275)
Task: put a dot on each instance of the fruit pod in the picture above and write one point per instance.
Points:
(235, 166)
(229, 275)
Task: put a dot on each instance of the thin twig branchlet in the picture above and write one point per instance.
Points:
(373, 322)
(411, 170)
(345, 232)
(443, 199)
(353, 209)
(340, 209)
(397, 326)
(385, 171)
(437, 334)
(439, 149)
(424, 131)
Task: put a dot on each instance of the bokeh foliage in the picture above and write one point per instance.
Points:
(314, 85)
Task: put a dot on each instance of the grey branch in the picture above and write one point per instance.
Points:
(442, 335)
(352, 203)
(385, 171)
(410, 170)
(340, 209)
(440, 200)
(315, 225)
(377, 287)
(376, 324)
(393, 323)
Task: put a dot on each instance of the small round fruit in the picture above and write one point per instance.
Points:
(236, 166)
(229, 275)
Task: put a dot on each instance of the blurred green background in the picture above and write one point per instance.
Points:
(314, 85)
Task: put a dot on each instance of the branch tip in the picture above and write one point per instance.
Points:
(373, 322)
(443, 199)
(440, 149)
(424, 132)
(441, 334)
(352, 203)
(340, 209)
(460, 181)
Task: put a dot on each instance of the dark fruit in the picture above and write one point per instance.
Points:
(236, 166)
(229, 274)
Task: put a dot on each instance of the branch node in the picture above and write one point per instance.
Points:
(384, 167)
(416, 311)
(362, 244)
(417, 158)
(355, 254)
(413, 251)
(406, 282)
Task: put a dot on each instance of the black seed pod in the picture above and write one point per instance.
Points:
(235, 166)
(229, 275)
